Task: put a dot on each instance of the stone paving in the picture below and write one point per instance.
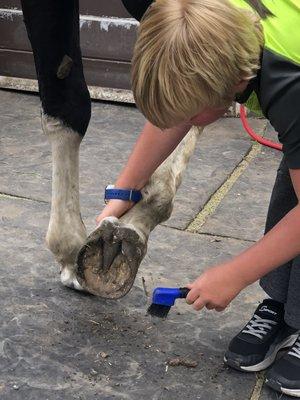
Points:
(59, 344)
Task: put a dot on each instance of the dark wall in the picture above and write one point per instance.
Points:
(106, 43)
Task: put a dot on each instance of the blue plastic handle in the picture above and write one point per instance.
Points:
(167, 296)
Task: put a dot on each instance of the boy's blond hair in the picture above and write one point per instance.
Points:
(189, 55)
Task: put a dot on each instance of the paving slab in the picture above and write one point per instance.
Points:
(60, 344)
(25, 158)
(242, 213)
(221, 147)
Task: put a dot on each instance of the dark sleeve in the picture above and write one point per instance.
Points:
(279, 96)
(137, 8)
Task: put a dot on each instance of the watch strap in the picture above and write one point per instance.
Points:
(122, 194)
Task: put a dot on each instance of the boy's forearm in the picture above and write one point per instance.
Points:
(151, 149)
(277, 247)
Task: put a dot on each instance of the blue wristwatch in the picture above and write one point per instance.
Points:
(122, 194)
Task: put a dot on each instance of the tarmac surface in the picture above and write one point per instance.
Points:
(58, 344)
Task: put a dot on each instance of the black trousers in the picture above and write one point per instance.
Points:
(283, 283)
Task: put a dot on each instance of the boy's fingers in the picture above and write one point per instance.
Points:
(199, 304)
(192, 296)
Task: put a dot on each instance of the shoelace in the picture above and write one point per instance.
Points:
(259, 327)
(295, 350)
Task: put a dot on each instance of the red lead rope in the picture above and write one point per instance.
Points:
(254, 135)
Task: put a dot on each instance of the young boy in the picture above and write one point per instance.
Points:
(191, 60)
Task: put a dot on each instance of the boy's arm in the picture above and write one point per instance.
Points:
(151, 149)
(217, 286)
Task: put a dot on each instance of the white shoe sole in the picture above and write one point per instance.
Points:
(280, 389)
(288, 342)
(277, 386)
(291, 392)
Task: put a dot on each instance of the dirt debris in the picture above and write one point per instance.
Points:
(185, 362)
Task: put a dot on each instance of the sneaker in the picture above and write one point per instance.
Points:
(256, 346)
(284, 376)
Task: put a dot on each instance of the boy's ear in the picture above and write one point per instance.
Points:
(241, 86)
(137, 8)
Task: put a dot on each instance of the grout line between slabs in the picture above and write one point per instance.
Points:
(215, 200)
(260, 379)
(212, 235)
(15, 196)
(217, 236)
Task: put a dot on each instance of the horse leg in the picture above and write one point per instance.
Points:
(53, 30)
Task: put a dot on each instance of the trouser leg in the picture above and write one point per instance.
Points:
(292, 306)
(283, 199)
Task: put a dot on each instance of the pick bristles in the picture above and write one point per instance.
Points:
(158, 310)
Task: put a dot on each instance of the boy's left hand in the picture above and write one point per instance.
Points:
(215, 288)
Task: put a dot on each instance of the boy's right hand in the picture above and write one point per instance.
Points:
(114, 208)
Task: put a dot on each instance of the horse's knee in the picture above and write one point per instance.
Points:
(53, 30)
(69, 101)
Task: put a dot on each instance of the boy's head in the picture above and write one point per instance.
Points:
(191, 55)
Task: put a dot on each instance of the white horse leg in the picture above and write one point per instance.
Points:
(66, 232)
(109, 261)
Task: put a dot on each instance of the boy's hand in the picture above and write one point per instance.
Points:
(115, 208)
(215, 288)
